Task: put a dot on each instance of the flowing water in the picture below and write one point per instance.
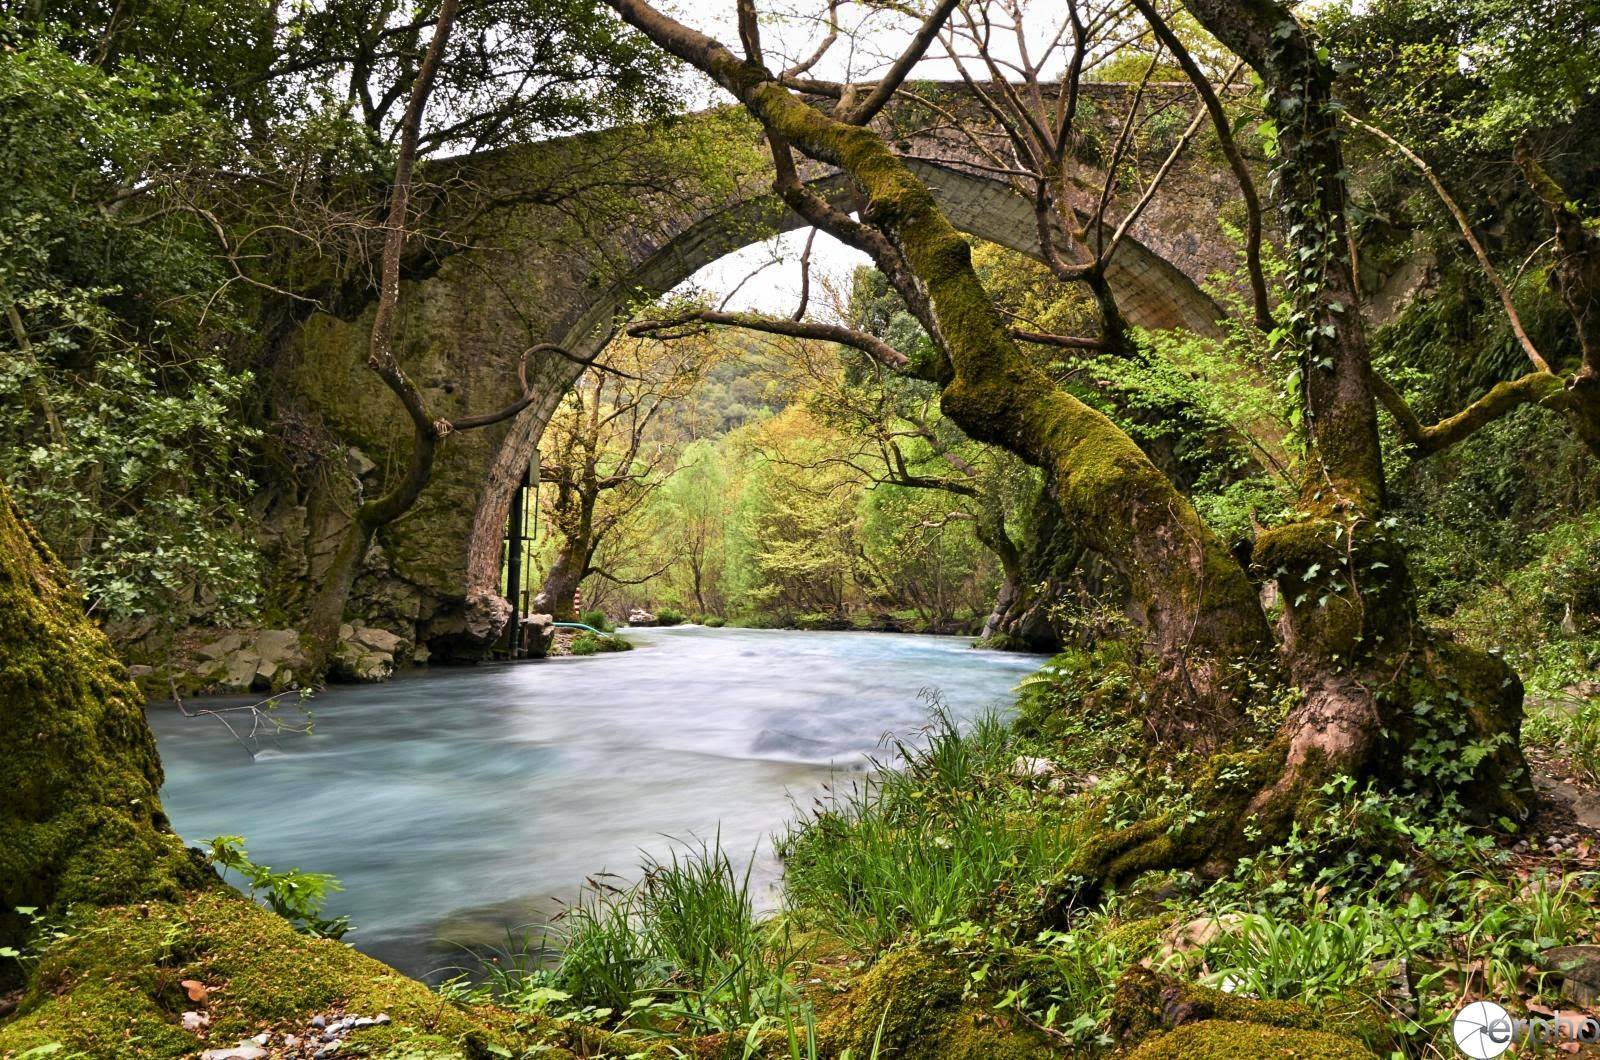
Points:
(458, 804)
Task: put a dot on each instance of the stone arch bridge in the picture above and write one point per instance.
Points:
(554, 242)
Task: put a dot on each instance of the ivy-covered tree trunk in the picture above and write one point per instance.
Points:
(80, 817)
(1378, 689)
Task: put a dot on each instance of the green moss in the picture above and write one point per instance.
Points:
(1203, 833)
(79, 777)
(1139, 937)
(1146, 1003)
(111, 987)
(918, 998)
(1232, 1040)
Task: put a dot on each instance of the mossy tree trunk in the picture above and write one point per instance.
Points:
(80, 816)
(1035, 581)
(558, 594)
(1350, 635)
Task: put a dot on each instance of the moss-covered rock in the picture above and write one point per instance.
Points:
(112, 987)
(913, 1002)
(1150, 1010)
(1237, 1040)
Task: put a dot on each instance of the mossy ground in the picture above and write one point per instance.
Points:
(913, 1003)
(1231, 1040)
(111, 987)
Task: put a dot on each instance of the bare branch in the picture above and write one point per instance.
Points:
(1230, 151)
(885, 89)
(799, 329)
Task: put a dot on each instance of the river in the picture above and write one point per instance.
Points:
(458, 804)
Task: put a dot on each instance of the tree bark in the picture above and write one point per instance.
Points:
(561, 584)
(1034, 581)
(80, 815)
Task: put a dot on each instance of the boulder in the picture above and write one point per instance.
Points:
(224, 645)
(238, 672)
(536, 632)
(378, 640)
(278, 645)
(640, 617)
(355, 662)
(1579, 968)
(1027, 766)
(361, 465)
(1198, 933)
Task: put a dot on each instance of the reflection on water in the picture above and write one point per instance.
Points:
(460, 803)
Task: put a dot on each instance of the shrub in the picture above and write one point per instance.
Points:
(598, 620)
(296, 896)
(586, 643)
(670, 616)
(714, 621)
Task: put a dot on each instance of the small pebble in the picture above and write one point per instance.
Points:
(383, 1018)
(319, 1022)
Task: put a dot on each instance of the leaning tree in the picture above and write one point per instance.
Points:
(1371, 691)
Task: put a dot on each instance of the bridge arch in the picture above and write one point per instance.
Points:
(1152, 292)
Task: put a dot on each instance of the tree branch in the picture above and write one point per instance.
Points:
(1541, 388)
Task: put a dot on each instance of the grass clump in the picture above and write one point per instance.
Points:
(929, 844)
(670, 616)
(598, 620)
(1572, 735)
(679, 953)
(714, 621)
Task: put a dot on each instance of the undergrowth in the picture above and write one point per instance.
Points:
(1379, 918)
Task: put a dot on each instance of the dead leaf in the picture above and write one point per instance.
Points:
(195, 989)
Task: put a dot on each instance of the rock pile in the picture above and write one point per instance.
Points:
(270, 660)
(251, 661)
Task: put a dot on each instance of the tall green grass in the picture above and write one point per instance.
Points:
(681, 948)
(925, 845)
